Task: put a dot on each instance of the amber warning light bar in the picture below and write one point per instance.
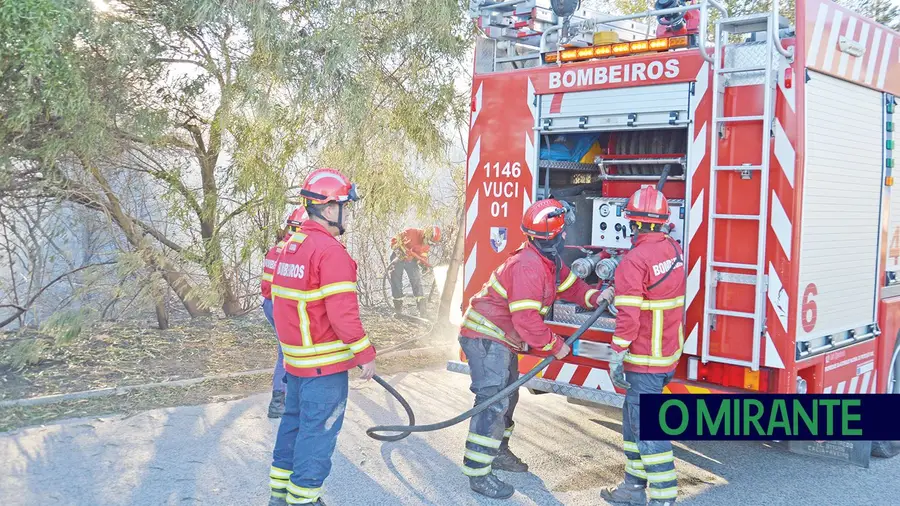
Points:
(618, 49)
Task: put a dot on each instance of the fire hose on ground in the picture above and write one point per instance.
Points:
(402, 431)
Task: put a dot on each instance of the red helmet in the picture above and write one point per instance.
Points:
(297, 217)
(328, 185)
(433, 234)
(545, 219)
(648, 205)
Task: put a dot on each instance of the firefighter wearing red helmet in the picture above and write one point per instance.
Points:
(505, 316)
(322, 338)
(647, 343)
(276, 405)
(409, 254)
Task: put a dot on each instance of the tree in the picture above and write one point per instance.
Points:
(221, 107)
(885, 12)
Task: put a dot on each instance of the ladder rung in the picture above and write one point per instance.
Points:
(736, 314)
(737, 167)
(730, 265)
(737, 70)
(735, 119)
(750, 217)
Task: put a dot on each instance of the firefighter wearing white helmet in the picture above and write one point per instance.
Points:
(647, 343)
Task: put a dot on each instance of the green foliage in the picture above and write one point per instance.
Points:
(64, 327)
(885, 12)
(25, 353)
(217, 108)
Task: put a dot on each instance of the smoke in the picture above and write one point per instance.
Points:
(440, 277)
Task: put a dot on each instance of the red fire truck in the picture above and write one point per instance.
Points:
(781, 137)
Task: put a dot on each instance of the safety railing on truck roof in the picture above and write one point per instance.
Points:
(702, 6)
(578, 25)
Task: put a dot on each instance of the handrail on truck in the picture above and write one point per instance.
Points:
(702, 6)
(776, 37)
(501, 5)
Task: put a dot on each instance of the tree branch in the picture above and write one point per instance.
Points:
(21, 310)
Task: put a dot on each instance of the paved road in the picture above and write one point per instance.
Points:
(219, 454)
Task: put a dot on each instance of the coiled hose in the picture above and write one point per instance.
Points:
(405, 430)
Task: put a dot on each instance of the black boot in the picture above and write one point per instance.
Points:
(398, 307)
(625, 493)
(661, 502)
(491, 486)
(506, 460)
(276, 405)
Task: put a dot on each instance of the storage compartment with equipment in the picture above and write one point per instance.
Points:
(594, 173)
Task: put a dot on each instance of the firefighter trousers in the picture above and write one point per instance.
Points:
(647, 461)
(411, 268)
(313, 417)
(278, 377)
(492, 367)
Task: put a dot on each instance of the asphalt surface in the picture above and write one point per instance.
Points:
(220, 454)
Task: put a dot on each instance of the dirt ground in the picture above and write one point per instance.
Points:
(123, 354)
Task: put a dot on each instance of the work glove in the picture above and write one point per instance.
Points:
(617, 370)
(563, 351)
(608, 295)
(423, 268)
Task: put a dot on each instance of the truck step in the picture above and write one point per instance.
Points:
(739, 119)
(730, 265)
(736, 314)
(749, 217)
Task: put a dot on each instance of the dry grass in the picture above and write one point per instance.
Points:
(218, 390)
(133, 353)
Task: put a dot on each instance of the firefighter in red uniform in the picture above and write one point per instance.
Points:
(409, 253)
(647, 343)
(317, 321)
(276, 405)
(507, 314)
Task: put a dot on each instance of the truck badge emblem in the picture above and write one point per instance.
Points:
(498, 238)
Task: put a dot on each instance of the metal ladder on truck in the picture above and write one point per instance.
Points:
(755, 273)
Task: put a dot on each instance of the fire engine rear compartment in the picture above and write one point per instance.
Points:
(596, 148)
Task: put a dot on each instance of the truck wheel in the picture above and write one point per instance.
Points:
(888, 449)
(885, 449)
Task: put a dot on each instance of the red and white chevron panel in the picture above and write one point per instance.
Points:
(698, 175)
(862, 384)
(779, 238)
(472, 209)
(827, 23)
(851, 371)
(579, 375)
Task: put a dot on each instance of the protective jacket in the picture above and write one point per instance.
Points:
(650, 286)
(265, 286)
(316, 307)
(411, 244)
(511, 306)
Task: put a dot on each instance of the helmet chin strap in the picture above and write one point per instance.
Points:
(339, 224)
(550, 248)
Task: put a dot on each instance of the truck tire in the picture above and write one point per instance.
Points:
(885, 449)
(888, 449)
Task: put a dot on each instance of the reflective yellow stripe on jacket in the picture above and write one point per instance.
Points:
(656, 357)
(567, 283)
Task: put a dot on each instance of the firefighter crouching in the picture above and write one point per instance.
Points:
(506, 314)
(647, 343)
(276, 405)
(409, 254)
(317, 322)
